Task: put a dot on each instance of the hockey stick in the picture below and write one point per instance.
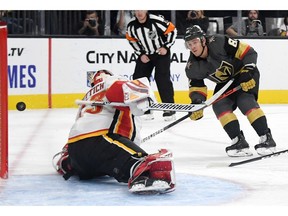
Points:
(168, 106)
(152, 106)
(258, 158)
(165, 128)
(216, 97)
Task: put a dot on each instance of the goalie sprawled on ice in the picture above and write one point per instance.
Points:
(104, 140)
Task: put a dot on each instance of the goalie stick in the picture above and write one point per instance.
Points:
(168, 106)
(216, 97)
(152, 106)
(258, 158)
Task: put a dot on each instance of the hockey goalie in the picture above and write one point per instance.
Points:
(105, 141)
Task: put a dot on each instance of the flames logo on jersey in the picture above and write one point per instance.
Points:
(223, 73)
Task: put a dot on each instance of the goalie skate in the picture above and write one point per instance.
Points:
(153, 174)
(150, 186)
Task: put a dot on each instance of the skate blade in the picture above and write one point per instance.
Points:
(148, 117)
(158, 188)
(170, 118)
(152, 191)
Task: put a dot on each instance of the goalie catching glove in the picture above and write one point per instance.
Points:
(137, 94)
(246, 80)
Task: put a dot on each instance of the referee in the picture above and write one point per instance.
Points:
(151, 37)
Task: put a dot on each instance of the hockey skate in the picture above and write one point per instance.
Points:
(145, 185)
(266, 144)
(239, 147)
(148, 115)
(169, 115)
(153, 174)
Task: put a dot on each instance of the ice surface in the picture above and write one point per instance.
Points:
(198, 148)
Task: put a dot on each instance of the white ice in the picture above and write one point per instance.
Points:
(202, 173)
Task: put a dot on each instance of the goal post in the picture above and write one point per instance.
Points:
(3, 102)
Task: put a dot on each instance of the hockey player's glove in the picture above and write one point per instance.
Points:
(197, 94)
(246, 80)
(198, 114)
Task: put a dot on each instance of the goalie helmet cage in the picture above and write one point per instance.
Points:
(3, 102)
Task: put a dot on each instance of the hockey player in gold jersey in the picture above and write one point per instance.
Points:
(219, 58)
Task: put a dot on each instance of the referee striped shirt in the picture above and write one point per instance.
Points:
(146, 38)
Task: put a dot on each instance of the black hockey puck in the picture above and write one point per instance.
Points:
(21, 106)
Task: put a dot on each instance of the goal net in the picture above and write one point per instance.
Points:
(3, 102)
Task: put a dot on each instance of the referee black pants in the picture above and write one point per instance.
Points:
(161, 64)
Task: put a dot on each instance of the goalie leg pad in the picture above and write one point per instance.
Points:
(161, 170)
(154, 174)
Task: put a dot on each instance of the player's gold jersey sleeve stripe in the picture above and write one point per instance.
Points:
(201, 90)
(242, 50)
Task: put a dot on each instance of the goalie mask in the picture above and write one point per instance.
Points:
(100, 76)
(193, 32)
